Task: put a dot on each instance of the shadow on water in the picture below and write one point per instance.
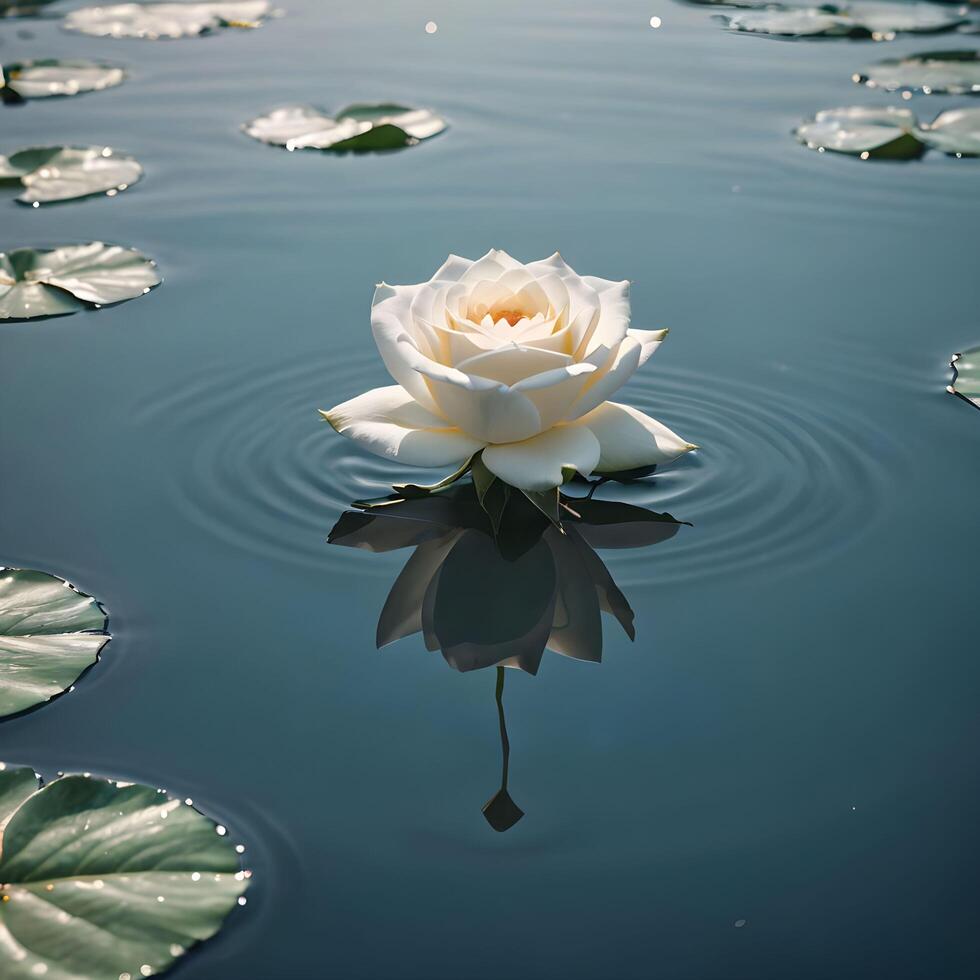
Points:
(486, 599)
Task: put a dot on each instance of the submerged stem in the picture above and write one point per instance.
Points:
(500, 810)
(504, 740)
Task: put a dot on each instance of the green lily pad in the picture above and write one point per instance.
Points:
(865, 131)
(49, 634)
(384, 126)
(57, 281)
(878, 21)
(955, 132)
(53, 76)
(166, 21)
(966, 376)
(22, 8)
(107, 881)
(65, 173)
(931, 72)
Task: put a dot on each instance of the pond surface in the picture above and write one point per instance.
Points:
(778, 779)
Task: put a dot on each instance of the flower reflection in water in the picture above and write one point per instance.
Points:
(500, 600)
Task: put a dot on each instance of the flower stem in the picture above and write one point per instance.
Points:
(504, 740)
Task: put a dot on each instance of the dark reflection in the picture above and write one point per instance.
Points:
(500, 600)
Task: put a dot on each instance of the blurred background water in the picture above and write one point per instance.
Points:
(790, 744)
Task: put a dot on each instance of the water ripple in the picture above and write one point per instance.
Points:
(777, 479)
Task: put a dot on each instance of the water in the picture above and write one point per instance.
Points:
(789, 742)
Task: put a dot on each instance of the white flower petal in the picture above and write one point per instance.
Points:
(453, 269)
(649, 340)
(537, 464)
(630, 439)
(492, 266)
(484, 409)
(554, 392)
(614, 317)
(554, 264)
(610, 378)
(389, 422)
(398, 349)
(511, 364)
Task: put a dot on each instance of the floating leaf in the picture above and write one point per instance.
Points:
(166, 21)
(931, 72)
(52, 76)
(49, 634)
(880, 21)
(966, 376)
(54, 282)
(891, 133)
(64, 173)
(103, 881)
(865, 131)
(15, 786)
(22, 8)
(955, 132)
(358, 127)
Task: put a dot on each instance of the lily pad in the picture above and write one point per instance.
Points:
(891, 133)
(49, 634)
(931, 72)
(878, 21)
(54, 282)
(107, 881)
(166, 21)
(865, 131)
(65, 173)
(23, 8)
(966, 376)
(53, 77)
(42, 78)
(384, 126)
(955, 132)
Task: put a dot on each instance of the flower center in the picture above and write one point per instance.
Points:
(513, 317)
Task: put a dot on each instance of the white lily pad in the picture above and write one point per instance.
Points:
(880, 21)
(166, 21)
(864, 131)
(54, 282)
(931, 72)
(65, 173)
(106, 881)
(383, 126)
(891, 133)
(48, 77)
(966, 376)
(955, 132)
(49, 634)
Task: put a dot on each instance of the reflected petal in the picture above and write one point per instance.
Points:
(402, 612)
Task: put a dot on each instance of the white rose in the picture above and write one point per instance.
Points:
(516, 360)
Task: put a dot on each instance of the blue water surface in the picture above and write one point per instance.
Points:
(778, 779)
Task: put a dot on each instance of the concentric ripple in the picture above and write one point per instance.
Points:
(778, 478)
(775, 480)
